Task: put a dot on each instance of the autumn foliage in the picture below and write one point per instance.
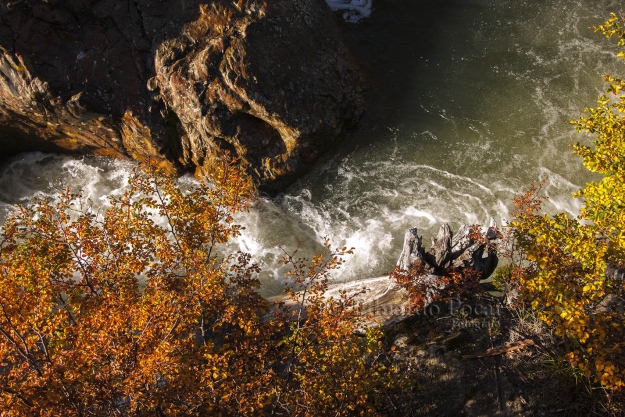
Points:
(427, 282)
(423, 288)
(568, 268)
(135, 311)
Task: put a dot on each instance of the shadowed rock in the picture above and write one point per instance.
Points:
(177, 81)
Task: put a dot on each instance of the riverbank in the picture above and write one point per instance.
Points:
(474, 357)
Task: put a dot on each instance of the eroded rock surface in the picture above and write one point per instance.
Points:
(177, 81)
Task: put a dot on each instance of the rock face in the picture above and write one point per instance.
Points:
(177, 81)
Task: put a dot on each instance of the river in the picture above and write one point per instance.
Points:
(469, 103)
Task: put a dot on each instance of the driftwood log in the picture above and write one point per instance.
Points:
(448, 252)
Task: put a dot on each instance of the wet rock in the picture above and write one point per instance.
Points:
(271, 82)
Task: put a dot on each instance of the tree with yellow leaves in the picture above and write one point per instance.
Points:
(570, 271)
(133, 312)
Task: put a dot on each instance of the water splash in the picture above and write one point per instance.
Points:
(484, 113)
(38, 174)
(352, 10)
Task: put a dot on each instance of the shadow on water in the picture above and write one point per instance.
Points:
(415, 53)
(396, 43)
(469, 101)
(459, 84)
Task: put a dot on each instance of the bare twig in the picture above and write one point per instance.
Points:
(501, 350)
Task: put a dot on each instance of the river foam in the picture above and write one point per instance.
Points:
(362, 205)
(352, 10)
(476, 110)
(38, 174)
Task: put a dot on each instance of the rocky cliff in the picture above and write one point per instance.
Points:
(177, 81)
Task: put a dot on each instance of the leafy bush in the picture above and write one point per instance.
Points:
(567, 268)
(133, 313)
(424, 288)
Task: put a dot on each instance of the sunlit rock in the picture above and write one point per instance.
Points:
(271, 82)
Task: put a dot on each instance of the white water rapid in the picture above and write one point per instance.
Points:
(471, 102)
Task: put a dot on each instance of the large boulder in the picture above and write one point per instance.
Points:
(177, 81)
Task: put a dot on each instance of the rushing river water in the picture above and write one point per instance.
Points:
(470, 103)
